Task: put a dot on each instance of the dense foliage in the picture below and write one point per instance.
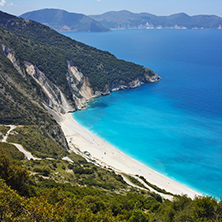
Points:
(21, 100)
(50, 201)
(37, 141)
(11, 151)
(20, 105)
(50, 51)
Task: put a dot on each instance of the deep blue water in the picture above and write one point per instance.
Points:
(175, 125)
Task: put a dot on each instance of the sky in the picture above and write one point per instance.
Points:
(92, 7)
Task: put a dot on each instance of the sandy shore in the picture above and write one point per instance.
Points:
(107, 155)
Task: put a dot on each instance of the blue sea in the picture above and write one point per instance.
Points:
(173, 126)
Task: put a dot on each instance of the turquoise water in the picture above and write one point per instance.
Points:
(175, 125)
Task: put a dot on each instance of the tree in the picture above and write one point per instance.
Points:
(138, 216)
(15, 176)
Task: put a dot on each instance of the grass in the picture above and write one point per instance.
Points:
(78, 173)
(154, 186)
(135, 181)
(37, 141)
(4, 130)
(11, 151)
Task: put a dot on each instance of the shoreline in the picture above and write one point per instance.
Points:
(107, 155)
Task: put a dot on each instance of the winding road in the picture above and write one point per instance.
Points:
(27, 154)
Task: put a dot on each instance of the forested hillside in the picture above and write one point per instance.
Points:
(23, 98)
(62, 20)
(36, 43)
(46, 200)
(21, 102)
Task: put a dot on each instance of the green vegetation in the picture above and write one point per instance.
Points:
(50, 51)
(154, 186)
(11, 151)
(15, 176)
(37, 141)
(47, 200)
(4, 129)
(78, 173)
(20, 103)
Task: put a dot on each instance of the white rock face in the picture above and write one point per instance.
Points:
(79, 86)
(11, 56)
(57, 100)
(78, 83)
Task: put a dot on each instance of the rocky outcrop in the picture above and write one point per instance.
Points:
(82, 92)
(135, 83)
(56, 98)
(11, 56)
(48, 126)
(79, 86)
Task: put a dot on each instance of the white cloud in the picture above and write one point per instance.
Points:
(11, 4)
(2, 3)
(98, 0)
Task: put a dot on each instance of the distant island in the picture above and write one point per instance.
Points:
(62, 20)
(128, 20)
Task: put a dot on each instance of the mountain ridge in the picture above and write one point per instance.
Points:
(62, 20)
(128, 20)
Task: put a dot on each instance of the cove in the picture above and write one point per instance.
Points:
(173, 126)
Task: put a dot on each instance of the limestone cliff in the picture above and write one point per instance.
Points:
(56, 99)
(82, 92)
(11, 56)
(22, 105)
(79, 85)
(136, 82)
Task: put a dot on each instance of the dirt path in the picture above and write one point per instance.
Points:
(27, 154)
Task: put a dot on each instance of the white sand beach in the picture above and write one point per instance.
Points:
(107, 155)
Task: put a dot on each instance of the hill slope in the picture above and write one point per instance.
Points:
(61, 20)
(128, 20)
(37, 74)
(72, 72)
(41, 69)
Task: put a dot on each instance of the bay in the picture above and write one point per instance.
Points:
(173, 126)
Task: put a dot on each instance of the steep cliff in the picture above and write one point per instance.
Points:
(79, 85)
(56, 99)
(11, 56)
(65, 74)
(21, 102)
(82, 91)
